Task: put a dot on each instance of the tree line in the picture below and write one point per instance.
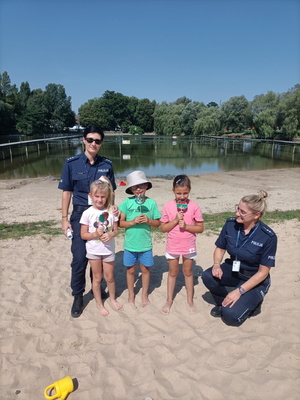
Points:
(36, 111)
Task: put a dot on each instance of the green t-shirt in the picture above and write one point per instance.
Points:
(138, 237)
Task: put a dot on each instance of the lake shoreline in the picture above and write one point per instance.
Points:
(179, 350)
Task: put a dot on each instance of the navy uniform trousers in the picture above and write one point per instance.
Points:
(79, 261)
(246, 304)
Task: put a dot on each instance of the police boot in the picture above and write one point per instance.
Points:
(77, 306)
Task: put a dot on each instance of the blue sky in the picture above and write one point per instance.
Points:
(156, 49)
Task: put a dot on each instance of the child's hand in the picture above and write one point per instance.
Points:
(107, 236)
(143, 219)
(100, 230)
(182, 224)
(136, 220)
(179, 216)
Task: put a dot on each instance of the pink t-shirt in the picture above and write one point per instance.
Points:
(180, 241)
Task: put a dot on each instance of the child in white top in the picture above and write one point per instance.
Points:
(99, 227)
(181, 219)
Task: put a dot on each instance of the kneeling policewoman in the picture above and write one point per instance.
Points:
(240, 283)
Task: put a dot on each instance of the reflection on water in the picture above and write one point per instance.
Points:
(157, 157)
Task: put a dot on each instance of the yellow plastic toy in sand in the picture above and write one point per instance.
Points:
(59, 389)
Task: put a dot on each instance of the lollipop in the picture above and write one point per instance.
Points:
(182, 205)
(140, 200)
(103, 220)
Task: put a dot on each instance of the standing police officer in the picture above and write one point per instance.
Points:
(239, 284)
(77, 175)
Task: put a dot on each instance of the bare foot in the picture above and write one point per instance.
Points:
(192, 307)
(131, 300)
(118, 306)
(167, 307)
(145, 302)
(103, 311)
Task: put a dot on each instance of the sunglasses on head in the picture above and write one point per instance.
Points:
(91, 140)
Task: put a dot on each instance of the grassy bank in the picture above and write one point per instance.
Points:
(212, 224)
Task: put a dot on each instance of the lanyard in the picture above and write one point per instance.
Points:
(245, 241)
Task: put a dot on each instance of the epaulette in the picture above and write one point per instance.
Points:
(268, 230)
(106, 160)
(73, 158)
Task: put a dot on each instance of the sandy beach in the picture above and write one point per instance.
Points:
(141, 353)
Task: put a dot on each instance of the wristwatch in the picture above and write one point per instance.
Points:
(242, 290)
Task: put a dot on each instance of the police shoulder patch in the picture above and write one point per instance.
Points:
(106, 160)
(267, 230)
(74, 158)
(231, 219)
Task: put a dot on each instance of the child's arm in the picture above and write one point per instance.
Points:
(168, 226)
(86, 235)
(127, 224)
(197, 228)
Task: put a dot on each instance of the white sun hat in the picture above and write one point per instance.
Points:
(136, 178)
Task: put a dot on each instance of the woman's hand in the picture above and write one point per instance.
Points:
(65, 225)
(217, 271)
(231, 298)
(115, 211)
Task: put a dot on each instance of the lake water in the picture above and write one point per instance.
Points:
(157, 156)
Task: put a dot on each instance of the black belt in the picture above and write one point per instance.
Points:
(247, 272)
(80, 208)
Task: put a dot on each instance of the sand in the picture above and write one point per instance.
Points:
(141, 353)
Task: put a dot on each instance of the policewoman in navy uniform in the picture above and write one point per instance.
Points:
(239, 284)
(77, 175)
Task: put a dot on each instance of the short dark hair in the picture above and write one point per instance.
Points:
(93, 129)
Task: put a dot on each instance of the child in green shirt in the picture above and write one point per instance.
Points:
(138, 214)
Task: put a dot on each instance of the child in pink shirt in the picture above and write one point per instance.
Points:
(181, 219)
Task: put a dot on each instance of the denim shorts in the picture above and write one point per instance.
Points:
(145, 258)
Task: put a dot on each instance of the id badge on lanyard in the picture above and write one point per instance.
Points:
(236, 265)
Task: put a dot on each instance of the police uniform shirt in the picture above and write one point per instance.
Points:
(78, 174)
(258, 247)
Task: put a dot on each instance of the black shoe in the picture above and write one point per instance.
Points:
(216, 312)
(256, 311)
(77, 306)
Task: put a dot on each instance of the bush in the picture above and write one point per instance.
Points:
(135, 130)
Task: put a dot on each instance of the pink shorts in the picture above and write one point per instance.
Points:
(105, 257)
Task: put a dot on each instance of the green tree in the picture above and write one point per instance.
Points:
(264, 123)
(236, 114)
(143, 115)
(208, 121)
(212, 104)
(167, 118)
(58, 105)
(35, 118)
(189, 116)
(8, 97)
(289, 109)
